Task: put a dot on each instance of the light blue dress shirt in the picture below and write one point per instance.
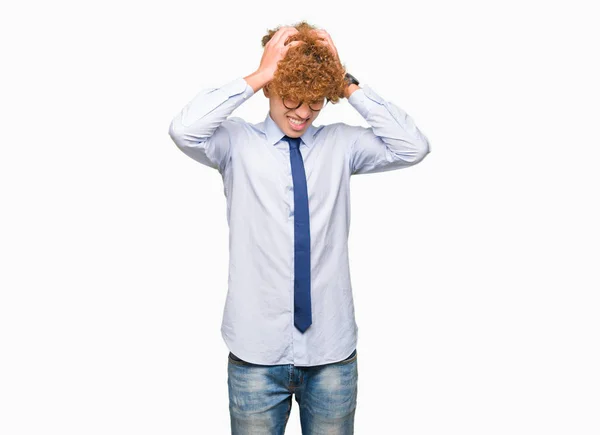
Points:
(254, 163)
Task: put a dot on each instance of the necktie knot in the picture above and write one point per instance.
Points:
(293, 141)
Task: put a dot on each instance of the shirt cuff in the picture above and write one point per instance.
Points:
(364, 99)
(237, 86)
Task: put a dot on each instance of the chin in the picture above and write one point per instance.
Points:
(294, 133)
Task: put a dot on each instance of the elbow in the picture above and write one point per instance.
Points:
(418, 152)
(173, 129)
(422, 149)
(425, 148)
(175, 133)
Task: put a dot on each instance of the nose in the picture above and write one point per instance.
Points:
(303, 111)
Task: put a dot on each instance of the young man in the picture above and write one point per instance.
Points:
(289, 315)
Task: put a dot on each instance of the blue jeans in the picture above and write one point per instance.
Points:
(260, 397)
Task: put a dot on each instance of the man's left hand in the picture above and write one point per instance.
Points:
(325, 39)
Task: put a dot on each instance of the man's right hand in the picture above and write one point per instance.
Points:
(275, 50)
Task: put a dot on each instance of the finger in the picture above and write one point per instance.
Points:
(322, 33)
(287, 39)
(282, 34)
(284, 38)
(326, 39)
(329, 45)
(293, 44)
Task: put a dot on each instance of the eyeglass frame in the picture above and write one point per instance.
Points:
(302, 102)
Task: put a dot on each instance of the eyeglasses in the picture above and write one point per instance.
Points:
(315, 106)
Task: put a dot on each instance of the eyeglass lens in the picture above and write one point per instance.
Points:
(294, 104)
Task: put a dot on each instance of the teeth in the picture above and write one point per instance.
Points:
(296, 122)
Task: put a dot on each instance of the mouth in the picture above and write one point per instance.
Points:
(297, 124)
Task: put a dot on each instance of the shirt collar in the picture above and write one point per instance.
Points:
(274, 133)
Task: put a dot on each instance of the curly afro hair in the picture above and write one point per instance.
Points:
(309, 71)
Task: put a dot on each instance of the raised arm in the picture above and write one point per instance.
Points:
(201, 129)
(393, 140)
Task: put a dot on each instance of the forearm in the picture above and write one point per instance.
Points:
(207, 110)
(257, 80)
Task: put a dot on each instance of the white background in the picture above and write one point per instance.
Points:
(475, 272)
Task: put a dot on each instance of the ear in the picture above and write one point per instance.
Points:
(266, 90)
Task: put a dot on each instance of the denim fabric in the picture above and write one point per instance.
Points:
(260, 397)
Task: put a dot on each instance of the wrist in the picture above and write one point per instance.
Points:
(350, 90)
(351, 84)
(258, 79)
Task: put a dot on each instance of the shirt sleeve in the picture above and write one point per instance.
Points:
(202, 131)
(392, 142)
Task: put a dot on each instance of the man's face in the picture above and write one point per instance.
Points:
(293, 122)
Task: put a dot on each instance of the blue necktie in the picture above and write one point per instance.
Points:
(302, 311)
